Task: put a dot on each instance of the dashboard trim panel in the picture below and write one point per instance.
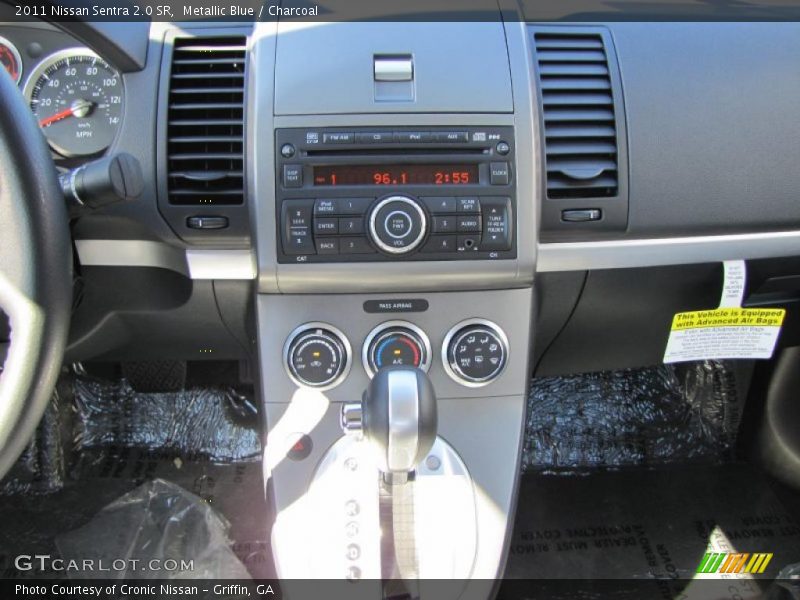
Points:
(625, 254)
(194, 263)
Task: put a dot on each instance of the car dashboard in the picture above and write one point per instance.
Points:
(484, 200)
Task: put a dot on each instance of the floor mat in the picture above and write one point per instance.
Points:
(110, 440)
(31, 523)
(651, 416)
(612, 529)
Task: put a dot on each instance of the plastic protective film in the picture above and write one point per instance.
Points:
(651, 416)
(162, 531)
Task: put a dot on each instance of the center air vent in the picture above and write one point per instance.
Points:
(577, 102)
(205, 133)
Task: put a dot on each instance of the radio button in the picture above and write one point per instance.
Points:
(326, 207)
(499, 173)
(328, 246)
(355, 245)
(469, 224)
(351, 225)
(353, 206)
(497, 225)
(293, 176)
(414, 137)
(469, 205)
(300, 241)
(452, 137)
(296, 221)
(440, 204)
(440, 243)
(444, 224)
(326, 226)
(398, 224)
(339, 137)
(375, 137)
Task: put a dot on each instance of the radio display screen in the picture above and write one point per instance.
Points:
(450, 174)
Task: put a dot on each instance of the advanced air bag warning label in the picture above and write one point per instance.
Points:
(724, 333)
(727, 331)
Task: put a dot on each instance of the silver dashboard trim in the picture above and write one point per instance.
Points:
(624, 254)
(195, 263)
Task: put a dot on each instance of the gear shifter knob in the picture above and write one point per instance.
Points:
(397, 417)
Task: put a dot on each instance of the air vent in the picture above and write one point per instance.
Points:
(205, 133)
(581, 149)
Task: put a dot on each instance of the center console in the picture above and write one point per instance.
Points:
(396, 232)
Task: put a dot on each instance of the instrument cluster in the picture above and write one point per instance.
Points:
(76, 96)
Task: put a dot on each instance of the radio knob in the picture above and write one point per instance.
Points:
(397, 224)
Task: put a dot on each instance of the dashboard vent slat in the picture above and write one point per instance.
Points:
(578, 107)
(205, 122)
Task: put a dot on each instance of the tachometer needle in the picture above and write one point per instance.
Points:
(67, 112)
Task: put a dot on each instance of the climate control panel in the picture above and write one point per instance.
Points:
(474, 352)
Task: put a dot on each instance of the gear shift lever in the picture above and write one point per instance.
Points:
(397, 417)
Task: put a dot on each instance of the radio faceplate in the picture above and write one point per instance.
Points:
(375, 194)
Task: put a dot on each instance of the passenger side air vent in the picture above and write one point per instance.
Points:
(577, 105)
(205, 121)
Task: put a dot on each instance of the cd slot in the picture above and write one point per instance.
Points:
(398, 152)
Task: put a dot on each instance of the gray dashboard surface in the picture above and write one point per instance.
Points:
(328, 68)
(713, 126)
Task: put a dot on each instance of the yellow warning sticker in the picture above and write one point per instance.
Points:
(724, 333)
(728, 331)
(729, 317)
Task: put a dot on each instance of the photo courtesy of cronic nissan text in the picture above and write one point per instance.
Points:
(399, 300)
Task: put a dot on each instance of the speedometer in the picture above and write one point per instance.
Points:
(77, 98)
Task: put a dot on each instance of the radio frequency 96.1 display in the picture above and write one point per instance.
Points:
(445, 174)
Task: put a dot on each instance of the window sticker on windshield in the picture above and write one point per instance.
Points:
(728, 331)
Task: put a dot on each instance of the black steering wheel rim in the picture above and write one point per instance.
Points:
(35, 273)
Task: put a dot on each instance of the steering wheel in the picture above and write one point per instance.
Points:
(35, 273)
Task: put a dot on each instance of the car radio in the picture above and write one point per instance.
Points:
(374, 194)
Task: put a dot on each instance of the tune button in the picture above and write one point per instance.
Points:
(397, 224)
(475, 352)
(317, 355)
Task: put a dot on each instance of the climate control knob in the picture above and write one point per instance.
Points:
(317, 356)
(475, 352)
(396, 343)
(397, 224)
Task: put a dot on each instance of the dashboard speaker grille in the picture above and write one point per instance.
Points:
(205, 133)
(577, 105)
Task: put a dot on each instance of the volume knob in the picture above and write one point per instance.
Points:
(397, 224)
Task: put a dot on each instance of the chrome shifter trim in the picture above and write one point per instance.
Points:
(403, 421)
